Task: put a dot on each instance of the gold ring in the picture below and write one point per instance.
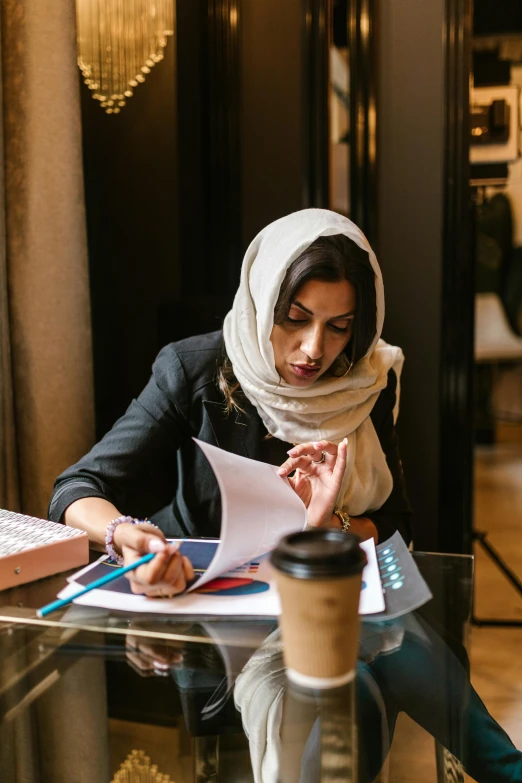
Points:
(320, 461)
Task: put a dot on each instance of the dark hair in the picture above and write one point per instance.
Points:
(330, 259)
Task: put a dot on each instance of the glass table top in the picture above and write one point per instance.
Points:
(90, 694)
(448, 576)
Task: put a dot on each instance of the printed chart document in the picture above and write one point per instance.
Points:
(247, 591)
(233, 574)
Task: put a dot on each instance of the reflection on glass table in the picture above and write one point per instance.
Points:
(92, 696)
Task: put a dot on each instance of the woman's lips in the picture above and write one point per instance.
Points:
(303, 371)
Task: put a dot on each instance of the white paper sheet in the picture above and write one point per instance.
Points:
(258, 507)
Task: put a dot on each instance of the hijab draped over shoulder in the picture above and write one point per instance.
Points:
(331, 408)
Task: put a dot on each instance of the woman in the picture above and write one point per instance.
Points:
(300, 361)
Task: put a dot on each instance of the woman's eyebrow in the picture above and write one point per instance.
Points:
(334, 318)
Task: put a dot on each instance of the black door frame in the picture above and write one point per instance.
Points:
(458, 293)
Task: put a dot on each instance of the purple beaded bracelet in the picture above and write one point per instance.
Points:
(109, 536)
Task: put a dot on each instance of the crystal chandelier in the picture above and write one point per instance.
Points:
(137, 768)
(119, 42)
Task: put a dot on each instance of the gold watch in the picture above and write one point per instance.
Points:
(343, 518)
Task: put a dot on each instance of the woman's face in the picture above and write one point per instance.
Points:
(317, 329)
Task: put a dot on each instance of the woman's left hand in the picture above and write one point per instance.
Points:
(316, 481)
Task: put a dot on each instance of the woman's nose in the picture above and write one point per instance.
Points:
(312, 344)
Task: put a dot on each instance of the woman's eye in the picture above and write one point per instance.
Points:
(295, 320)
(342, 329)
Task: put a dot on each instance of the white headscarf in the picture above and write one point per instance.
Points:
(331, 408)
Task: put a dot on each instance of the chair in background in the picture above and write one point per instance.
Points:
(498, 351)
(498, 286)
(495, 341)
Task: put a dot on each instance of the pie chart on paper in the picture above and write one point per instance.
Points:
(232, 586)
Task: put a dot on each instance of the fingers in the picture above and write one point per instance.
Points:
(148, 667)
(142, 538)
(159, 654)
(174, 576)
(150, 572)
(188, 569)
(314, 450)
(294, 463)
(177, 574)
(165, 576)
(160, 590)
(307, 456)
(340, 463)
(145, 541)
(143, 666)
(299, 483)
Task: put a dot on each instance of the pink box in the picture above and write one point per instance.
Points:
(39, 560)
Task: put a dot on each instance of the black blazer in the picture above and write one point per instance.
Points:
(148, 464)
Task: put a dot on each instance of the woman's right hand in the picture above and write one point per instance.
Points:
(166, 574)
(152, 659)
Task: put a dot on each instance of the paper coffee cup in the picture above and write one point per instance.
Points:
(318, 576)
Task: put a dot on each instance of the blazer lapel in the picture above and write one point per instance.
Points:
(232, 432)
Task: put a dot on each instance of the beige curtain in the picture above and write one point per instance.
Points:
(46, 390)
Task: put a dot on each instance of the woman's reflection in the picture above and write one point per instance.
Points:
(405, 667)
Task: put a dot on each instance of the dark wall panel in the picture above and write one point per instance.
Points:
(424, 246)
(410, 170)
(131, 199)
(272, 152)
(208, 71)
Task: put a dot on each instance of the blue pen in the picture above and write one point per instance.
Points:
(45, 610)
